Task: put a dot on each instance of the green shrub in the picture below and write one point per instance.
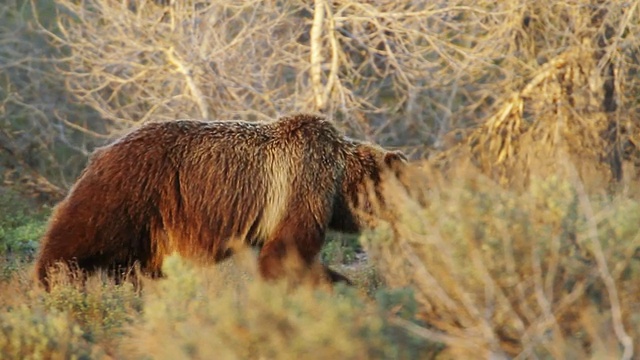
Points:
(340, 249)
(21, 224)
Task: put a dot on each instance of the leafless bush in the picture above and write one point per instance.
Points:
(577, 98)
(387, 68)
(410, 74)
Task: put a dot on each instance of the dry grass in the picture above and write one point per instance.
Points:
(196, 313)
(191, 316)
(549, 270)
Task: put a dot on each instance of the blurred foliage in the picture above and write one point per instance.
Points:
(21, 224)
(25, 334)
(197, 313)
(521, 271)
(204, 320)
(39, 155)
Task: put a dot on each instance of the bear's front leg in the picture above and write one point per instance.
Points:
(292, 252)
(277, 261)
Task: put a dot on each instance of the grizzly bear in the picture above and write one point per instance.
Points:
(197, 187)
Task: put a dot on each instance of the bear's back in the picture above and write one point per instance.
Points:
(236, 173)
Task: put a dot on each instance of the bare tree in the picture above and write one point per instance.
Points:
(403, 73)
(390, 70)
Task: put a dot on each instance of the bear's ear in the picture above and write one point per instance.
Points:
(393, 159)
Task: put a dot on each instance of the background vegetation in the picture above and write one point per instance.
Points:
(515, 235)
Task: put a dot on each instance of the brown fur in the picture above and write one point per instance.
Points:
(198, 188)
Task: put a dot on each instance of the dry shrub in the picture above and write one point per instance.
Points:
(25, 334)
(222, 312)
(208, 313)
(559, 94)
(557, 114)
(36, 326)
(99, 306)
(547, 271)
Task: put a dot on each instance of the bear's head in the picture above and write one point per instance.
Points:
(366, 165)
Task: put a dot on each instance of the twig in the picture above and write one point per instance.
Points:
(186, 71)
(592, 234)
(316, 52)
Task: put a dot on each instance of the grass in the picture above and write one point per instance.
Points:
(217, 312)
(200, 313)
(475, 271)
(20, 225)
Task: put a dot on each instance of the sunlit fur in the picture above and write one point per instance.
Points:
(200, 187)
